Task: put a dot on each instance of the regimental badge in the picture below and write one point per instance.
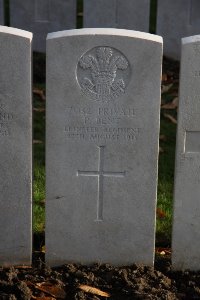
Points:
(103, 73)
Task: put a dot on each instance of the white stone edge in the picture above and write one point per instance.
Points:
(17, 32)
(190, 39)
(106, 31)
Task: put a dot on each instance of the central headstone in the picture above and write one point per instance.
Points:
(103, 99)
(42, 17)
(126, 14)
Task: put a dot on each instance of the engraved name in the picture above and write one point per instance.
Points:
(101, 115)
(101, 123)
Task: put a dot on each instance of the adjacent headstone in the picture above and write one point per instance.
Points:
(15, 147)
(42, 17)
(186, 224)
(103, 100)
(1, 12)
(175, 20)
(126, 14)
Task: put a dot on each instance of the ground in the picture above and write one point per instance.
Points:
(98, 282)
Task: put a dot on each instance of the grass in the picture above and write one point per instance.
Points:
(39, 162)
(165, 182)
(39, 199)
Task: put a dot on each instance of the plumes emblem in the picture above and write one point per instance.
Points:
(101, 68)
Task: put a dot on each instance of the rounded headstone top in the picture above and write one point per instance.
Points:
(106, 31)
(17, 32)
(191, 39)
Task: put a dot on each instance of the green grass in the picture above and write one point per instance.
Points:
(39, 164)
(39, 199)
(165, 182)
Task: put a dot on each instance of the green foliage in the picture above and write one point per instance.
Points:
(39, 198)
(39, 164)
(165, 181)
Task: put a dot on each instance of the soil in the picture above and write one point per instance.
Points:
(80, 282)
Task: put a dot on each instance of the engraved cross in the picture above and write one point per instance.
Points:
(101, 174)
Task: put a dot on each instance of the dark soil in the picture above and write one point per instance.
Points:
(122, 283)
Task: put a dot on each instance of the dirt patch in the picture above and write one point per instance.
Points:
(98, 282)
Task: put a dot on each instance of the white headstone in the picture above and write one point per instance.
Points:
(15, 147)
(42, 17)
(126, 14)
(175, 20)
(103, 102)
(1, 12)
(186, 224)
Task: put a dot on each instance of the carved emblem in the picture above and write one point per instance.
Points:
(103, 73)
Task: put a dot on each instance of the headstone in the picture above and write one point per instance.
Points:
(42, 17)
(15, 147)
(126, 14)
(175, 20)
(103, 99)
(1, 12)
(186, 227)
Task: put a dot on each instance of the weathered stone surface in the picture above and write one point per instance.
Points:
(103, 99)
(175, 20)
(1, 12)
(186, 224)
(126, 14)
(15, 147)
(42, 17)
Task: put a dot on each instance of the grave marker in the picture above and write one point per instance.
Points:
(126, 14)
(175, 20)
(103, 99)
(15, 147)
(42, 17)
(186, 223)
(1, 12)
